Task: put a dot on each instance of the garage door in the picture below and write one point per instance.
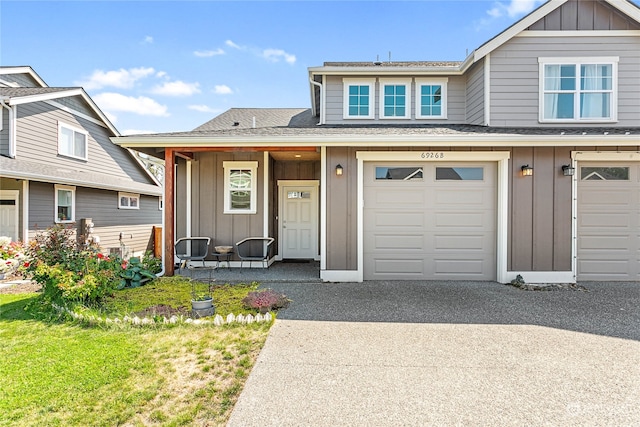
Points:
(429, 221)
(608, 221)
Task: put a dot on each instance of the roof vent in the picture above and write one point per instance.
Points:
(236, 123)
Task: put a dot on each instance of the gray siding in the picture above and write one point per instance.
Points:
(102, 207)
(585, 15)
(456, 105)
(514, 76)
(37, 134)
(23, 80)
(475, 94)
(207, 217)
(4, 133)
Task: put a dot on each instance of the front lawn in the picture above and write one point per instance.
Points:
(70, 374)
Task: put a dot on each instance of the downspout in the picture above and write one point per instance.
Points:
(12, 127)
(315, 83)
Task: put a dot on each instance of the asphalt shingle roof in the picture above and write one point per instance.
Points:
(15, 92)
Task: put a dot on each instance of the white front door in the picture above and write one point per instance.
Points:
(299, 220)
(9, 214)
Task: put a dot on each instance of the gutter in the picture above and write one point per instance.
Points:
(12, 127)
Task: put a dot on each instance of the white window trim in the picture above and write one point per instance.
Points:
(421, 82)
(73, 204)
(253, 166)
(346, 82)
(577, 61)
(129, 196)
(407, 106)
(74, 129)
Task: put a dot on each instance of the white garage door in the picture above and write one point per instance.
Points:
(608, 221)
(429, 221)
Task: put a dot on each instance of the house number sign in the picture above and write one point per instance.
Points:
(431, 155)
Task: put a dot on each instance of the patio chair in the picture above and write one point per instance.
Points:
(254, 249)
(192, 249)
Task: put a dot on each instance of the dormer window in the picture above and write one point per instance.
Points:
(72, 142)
(359, 98)
(395, 99)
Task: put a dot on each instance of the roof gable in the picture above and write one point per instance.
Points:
(32, 76)
(585, 16)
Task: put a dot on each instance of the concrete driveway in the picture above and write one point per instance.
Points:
(448, 353)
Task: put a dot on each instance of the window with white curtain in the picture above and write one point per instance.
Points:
(578, 89)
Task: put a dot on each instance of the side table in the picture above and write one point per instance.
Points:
(226, 256)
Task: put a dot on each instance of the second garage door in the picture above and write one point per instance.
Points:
(429, 221)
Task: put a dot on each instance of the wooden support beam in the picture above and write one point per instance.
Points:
(169, 210)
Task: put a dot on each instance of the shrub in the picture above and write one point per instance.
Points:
(11, 255)
(134, 274)
(266, 300)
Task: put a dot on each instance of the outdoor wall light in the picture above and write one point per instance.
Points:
(567, 170)
(339, 170)
(527, 170)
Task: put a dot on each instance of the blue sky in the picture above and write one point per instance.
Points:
(170, 66)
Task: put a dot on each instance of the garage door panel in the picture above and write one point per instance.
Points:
(459, 219)
(398, 267)
(601, 220)
(451, 242)
(397, 220)
(385, 242)
(594, 197)
(457, 267)
(399, 197)
(605, 242)
(460, 197)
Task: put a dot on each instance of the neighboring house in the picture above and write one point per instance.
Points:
(522, 159)
(58, 166)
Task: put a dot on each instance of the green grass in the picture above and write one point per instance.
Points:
(68, 374)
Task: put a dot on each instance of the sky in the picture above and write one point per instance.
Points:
(165, 66)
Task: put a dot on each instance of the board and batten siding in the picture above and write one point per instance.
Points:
(456, 105)
(584, 15)
(101, 206)
(4, 133)
(515, 80)
(207, 200)
(37, 141)
(475, 94)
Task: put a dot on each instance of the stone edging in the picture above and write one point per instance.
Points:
(218, 320)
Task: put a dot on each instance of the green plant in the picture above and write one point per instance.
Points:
(11, 255)
(134, 274)
(151, 263)
(200, 291)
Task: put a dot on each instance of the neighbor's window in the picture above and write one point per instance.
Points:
(65, 202)
(128, 201)
(358, 98)
(580, 90)
(604, 173)
(460, 174)
(240, 184)
(431, 98)
(395, 99)
(399, 173)
(72, 142)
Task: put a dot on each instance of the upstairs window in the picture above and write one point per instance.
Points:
(240, 185)
(578, 90)
(431, 98)
(358, 99)
(72, 142)
(395, 99)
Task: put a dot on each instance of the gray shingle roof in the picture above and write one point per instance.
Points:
(407, 64)
(247, 118)
(15, 92)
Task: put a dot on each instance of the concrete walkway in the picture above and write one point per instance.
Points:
(421, 353)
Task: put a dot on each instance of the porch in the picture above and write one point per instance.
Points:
(299, 271)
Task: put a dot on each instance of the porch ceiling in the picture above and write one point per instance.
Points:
(295, 155)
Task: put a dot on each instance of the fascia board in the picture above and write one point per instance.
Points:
(516, 28)
(373, 140)
(18, 100)
(151, 191)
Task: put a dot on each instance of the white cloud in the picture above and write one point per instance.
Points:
(513, 8)
(148, 40)
(177, 88)
(109, 102)
(222, 90)
(121, 79)
(233, 45)
(204, 109)
(275, 55)
(208, 53)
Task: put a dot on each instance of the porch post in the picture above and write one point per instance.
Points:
(169, 209)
